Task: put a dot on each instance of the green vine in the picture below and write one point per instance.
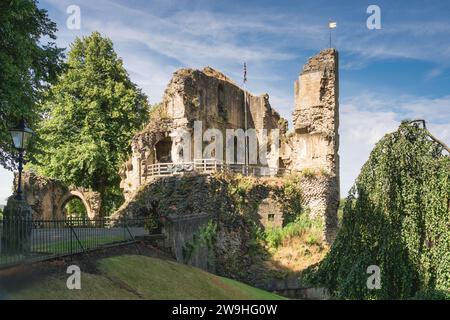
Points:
(396, 217)
(205, 236)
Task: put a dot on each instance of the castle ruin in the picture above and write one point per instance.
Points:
(211, 97)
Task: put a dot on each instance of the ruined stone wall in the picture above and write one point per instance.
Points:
(47, 197)
(321, 196)
(196, 95)
(190, 198)
(133, 172)
(209, 96)
(314, 144)
(180, 231)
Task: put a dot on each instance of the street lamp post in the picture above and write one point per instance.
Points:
(17, 215)
(21, 136)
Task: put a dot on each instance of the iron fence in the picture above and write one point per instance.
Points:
(24, 240)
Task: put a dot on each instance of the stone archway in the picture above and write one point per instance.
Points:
(163, 149)
(91, 209)
(47, 197)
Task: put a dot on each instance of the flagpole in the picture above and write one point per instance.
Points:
(329, 28)
(245, 118)
(331, 25)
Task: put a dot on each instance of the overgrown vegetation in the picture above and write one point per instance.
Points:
(234, 201)
(206, 236)
(396, 217)
(137, 277)
(158, 112)
(88, 120)
(29, 62)
(246, 193)
(303, 224)
(295, 246)
(340, 212)
(274, 251)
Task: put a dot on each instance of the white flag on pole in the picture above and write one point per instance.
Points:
(332, 24)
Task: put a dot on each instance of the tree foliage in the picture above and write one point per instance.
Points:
(91, 115)
(75, 209)
(396, 217)
(29, 61)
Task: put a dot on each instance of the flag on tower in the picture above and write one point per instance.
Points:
(245, 72)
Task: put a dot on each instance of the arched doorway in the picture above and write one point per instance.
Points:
(163, 150)
(74, 205)
(74, 208)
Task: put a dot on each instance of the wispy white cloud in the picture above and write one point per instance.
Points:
(166, 35)
(195, 35)
(433, 73)
(366, 118)
(436, 110)
(153, 45)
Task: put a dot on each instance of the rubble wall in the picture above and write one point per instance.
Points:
(314, 144)
(211, 97)
(197, 95)
(48, 197)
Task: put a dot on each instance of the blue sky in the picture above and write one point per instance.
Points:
(401, 71)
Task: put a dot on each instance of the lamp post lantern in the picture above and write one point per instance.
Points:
(21, 136)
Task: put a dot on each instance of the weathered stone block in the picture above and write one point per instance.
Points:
(270, 213)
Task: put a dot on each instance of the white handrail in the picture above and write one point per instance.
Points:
(210, 165)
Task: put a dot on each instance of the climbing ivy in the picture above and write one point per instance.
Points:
(205, 236)
(396, 217)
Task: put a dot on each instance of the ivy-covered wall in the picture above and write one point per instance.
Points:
(232, 201)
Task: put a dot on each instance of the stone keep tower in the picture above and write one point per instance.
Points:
(316, 114)
(316, 122)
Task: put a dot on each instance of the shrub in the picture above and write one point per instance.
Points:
(308, 173)
(302, 225)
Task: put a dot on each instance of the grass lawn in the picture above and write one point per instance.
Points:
(141, 277)
(61, 247)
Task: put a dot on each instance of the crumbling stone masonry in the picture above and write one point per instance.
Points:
(315, 143)
(211, 97)
(206, 95)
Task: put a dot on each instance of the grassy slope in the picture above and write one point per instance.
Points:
(140, 277)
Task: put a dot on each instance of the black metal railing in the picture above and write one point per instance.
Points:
(24, 240)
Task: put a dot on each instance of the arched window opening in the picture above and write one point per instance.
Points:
(75, 209)
(163, 150)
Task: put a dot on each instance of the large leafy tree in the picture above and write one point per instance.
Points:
(90, 117)
(29, 61)
(396, 217)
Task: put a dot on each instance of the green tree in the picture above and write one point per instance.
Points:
(29, 61)
(396, 217)
(75, 209)
(91, 115)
